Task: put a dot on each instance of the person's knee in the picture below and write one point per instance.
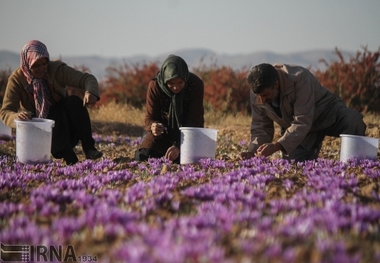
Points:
(73, 101)
(301, 154)
(355, 124)
(75, 110)
(360, 125)
(142, 154)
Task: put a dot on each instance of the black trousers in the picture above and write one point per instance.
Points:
(72, 124)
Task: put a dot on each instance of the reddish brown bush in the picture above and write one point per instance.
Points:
(225, 89)
(127, 84)
(357, 81)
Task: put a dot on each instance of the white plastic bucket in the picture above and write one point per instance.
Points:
(5, 131)
(33, 140)
(197, 143)
(359, 147)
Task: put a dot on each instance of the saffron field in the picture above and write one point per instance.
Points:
(224, 210)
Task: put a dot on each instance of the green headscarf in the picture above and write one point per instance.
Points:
(173, 67)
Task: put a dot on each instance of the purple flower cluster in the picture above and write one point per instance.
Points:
(217, 211)
(116, 139)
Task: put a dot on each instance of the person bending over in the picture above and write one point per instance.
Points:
(37, 89)
(291, 96)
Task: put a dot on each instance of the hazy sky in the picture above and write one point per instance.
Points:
(124, 28)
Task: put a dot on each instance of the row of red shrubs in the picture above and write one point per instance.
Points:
(357, 81)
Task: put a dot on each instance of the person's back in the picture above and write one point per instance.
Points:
(299, 81)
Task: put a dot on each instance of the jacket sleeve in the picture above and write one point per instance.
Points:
(153, 107)
(196, 109)
(69, 77)
(13, 100)
(303, 113)
(262, 127)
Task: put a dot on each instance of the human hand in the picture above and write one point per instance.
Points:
(24, 116)
(172, 153)
(247, 155)
(89, 99)
(267, 149)
(157, 128)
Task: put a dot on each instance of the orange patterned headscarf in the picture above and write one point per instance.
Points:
(30, 53)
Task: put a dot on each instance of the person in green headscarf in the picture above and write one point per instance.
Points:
(174, 99)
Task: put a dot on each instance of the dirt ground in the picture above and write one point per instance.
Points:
(330, 148)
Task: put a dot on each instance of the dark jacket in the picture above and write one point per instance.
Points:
(306, 106)
(157, 108)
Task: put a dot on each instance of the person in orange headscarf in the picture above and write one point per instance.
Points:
(37, 89)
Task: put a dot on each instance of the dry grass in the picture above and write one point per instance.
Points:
(123, 113)
(116, 119)
(114, 112)
(126, 119)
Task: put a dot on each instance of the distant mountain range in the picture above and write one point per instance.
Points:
(194, 58)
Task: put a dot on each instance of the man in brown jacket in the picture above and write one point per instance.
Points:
(306, 111)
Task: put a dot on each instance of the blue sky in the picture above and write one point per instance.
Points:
(122, 28)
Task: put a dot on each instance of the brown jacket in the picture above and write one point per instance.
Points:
(59, 75)
(157, 103)
(306, 106)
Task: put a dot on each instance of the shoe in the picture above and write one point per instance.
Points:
(68, 155)
(72, 159)
(93, 154)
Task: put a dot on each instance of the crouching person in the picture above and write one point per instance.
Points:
(306, 111)
(38, 89)
(174, 99)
